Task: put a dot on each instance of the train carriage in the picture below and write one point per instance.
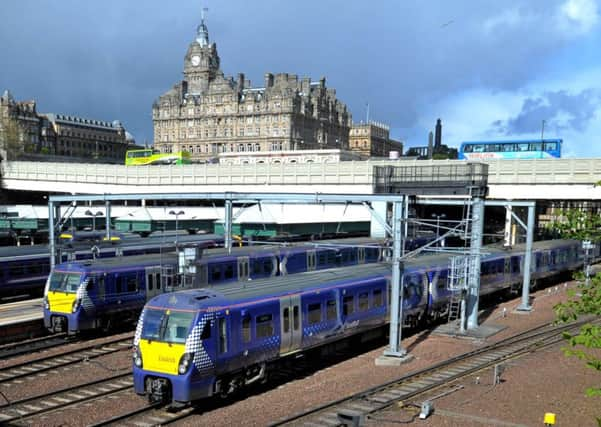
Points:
(194, 344)
(153, 274)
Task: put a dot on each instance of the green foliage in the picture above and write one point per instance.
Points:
(576, 224)
(584, 301)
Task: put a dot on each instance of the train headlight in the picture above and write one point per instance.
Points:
(46, 303)
(137, 356)
(76, 304)
(184, 363)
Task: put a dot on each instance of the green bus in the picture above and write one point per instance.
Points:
(148, 156)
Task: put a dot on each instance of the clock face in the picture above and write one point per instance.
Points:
(195, 60)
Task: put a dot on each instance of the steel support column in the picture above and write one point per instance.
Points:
(473, 291)
(228, 225)
(51, 236)
(107, 213)
(396, 303)
(525, 304)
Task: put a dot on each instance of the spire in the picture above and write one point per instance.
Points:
(202, 32)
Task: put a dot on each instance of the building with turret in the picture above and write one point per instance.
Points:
(207, 113)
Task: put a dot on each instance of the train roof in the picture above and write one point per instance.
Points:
(109, 264)
(225, 295)
(14, 252)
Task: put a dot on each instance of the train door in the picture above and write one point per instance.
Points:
(202, 275)
(243, 268)
(360, 255)
(311, 260)
(153, 281)
(290, 324)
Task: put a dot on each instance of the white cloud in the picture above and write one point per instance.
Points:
(577, 17)
(470, 115)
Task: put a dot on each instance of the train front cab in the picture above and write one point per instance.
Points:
(174, 355)
(62, 300)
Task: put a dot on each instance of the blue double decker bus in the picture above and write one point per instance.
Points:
(522, 149)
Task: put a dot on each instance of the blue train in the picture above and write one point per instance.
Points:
(198, 343)
(82, 296)
(24, 269)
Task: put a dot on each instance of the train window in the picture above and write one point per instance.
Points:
(523, 147)
(348, 305)
(363, 301)
(550, 146)
(264, 325)
(16, 270)
(206, 331)
(150, 282)
(215, 273)
(536, 146)
(295, 318)
(377, 300)
(286, 320)
(222, 336)
(257, 267)
(468, 148)
(118, 287)
(314, 313)
(268, 266)
(229, 272)
(331, 309)
(333, 257)
(101, 288)
(132, 284)
(157, 281)
(321, 259)
(246, 328)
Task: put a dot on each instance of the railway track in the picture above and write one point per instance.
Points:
(146, 416)
(33, 344)
(376, 399)
(24, 409)
(47, 363)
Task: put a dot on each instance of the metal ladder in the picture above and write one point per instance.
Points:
(457, 284)
(454, 307)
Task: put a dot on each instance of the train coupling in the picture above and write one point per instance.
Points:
(158, 390)
(59, 324)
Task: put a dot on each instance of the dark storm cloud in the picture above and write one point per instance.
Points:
(110, 59)
(560, 110)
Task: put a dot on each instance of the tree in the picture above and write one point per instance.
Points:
(585, 300)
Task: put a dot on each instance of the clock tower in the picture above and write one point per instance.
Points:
(201, 62)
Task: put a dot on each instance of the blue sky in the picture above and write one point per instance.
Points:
(488, 69)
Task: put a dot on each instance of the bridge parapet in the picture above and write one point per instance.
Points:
(44, 176)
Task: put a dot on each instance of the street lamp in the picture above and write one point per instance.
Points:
(177, 214)
(443, 216)
(93, 215)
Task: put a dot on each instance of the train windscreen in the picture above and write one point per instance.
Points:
(166, 325)
(64, 282)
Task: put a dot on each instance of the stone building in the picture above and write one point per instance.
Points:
(373, 140)
(208, 113)
(60, 135)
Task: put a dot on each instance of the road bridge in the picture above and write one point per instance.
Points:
(541, 179)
